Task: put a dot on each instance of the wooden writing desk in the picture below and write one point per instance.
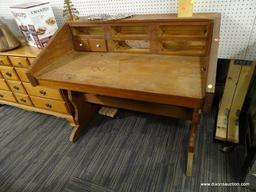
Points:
(158, 64)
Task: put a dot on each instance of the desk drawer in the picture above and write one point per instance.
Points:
(23, 99)
(41, 91)
(22, 74)
(16, 87)
(19, 61)
(7, 95)
(3, 85)
(98, 45)
(51, 105)
(4, 60)
(9, 73)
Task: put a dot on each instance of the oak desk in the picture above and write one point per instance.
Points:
(157, 64)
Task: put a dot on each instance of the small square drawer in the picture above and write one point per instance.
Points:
(9, 73)
(16, 86)
(98, 45)
(81, 44)
(22, 74)
(90, 44)
(7, 95)
(23, 99)
(52, 105)
(3, 85)
(19, 61)
(4, 60)
(41, 91)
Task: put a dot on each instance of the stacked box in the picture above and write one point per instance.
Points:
(36, 22)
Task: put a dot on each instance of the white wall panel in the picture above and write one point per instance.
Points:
(238, 27)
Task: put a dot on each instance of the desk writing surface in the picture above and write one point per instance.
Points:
(163, 74)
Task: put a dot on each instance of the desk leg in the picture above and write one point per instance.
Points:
(192, 140)
(83, 111)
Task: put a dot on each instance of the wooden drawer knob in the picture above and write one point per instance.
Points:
(48, 105)
(8, 74)
(23, 100)
(16, 87)
(80, 44)
(210, 86)
(42, 92)
(1, 96)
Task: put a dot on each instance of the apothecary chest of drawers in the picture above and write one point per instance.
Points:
(16, 90)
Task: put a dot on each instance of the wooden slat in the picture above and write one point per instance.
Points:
(237, 102)
(153, 108)
(226, 101)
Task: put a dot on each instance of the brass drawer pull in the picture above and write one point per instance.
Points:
(1, 96)
(98, 46)
(23, 100)
(16, 87)
(48, 105)
(8, 74)
(42, 92)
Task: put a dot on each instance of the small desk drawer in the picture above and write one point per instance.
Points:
(3, 85)
(22, 74)
(4, 60)
(7, 95)
(51, 105)
(41, 91)
(98, 45)
(16, 87)
(23, 99)
(19, 61)
(9, 73)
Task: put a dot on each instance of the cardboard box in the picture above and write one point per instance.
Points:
(36, 22)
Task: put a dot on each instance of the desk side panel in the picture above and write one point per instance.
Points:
(212, 65)
(213, 57)
(60, 44)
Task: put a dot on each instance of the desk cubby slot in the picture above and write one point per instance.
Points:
(186, 47)
(183, 30)
(130, 30)
(131, 45)
(88, 30)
